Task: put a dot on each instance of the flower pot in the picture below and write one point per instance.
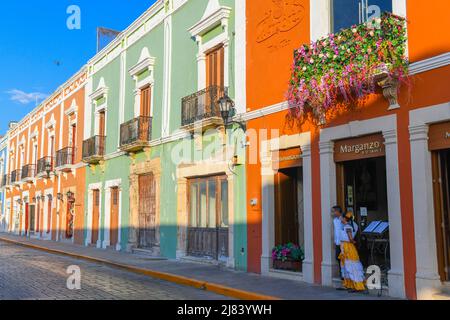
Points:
(287, 265)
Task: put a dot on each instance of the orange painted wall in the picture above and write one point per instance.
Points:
(428, 27)
(63, 182)
(271, 41)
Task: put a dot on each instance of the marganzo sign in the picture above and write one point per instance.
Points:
(371, 146)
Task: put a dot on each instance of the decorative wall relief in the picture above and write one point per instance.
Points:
(281, 17)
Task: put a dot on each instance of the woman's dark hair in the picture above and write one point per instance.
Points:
(338, 208)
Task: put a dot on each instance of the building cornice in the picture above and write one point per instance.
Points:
(430, 64)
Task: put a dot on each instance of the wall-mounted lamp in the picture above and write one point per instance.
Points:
(60, 196)
(228, 110)
(34, 199)
(50, 197)
(70, 196)
(48, 168)
(19, 202)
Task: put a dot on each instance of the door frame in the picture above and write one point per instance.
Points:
(437, 172)
(198, 169)
(136, 170)
(428, 281)
(218, 180)
(92, 187)
(270, 149)
(387, 125)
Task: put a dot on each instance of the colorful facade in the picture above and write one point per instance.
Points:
(3, 167)
(155, 127)
(373, 160)
(137, 153)
(44, 180)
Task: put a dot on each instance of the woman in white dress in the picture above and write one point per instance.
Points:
(351, 266)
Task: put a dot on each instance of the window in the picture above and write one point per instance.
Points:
(351, 12)
(208, 202)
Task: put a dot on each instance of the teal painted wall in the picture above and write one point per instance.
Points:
(183, 82)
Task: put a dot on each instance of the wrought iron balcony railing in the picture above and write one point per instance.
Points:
(15, 176)
(94, 149)
(135, 134)
(5, 181)
(44, 165)
(28, 172)
(65, 157)
(202, 105)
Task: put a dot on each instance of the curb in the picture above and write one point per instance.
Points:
(198, 284)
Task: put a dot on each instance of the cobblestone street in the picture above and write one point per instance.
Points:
(27, 274)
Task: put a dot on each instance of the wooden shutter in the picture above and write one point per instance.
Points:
(215, 67)
(101, 125)
(145, 101)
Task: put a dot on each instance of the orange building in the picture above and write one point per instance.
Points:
(385, 156)
(45, 185)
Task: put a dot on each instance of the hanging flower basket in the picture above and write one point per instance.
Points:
(342, 68)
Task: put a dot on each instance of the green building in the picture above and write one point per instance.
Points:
(166, 172)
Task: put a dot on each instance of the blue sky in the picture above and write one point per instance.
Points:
(34, 36)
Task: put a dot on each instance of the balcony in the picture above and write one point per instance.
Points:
(94, 149)
(28, 173)
(44, 166)
(203, 108)
(15, 177)
(5, 181)
(65, 159)
(135, 134)
(338, 72)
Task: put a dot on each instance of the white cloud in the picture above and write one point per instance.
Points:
(24, 98)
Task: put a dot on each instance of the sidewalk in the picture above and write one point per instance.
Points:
(234, 284)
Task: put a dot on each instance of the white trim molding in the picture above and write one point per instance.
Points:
(213, 16)
(428, 280)
(387, 125)
(268, 147)
(90, 207)
(73, 109)
(432, 63)
(145, 63)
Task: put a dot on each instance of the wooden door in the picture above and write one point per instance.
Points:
(73, 143)
(49, 215)
(27, 218)
(95, 216)
(32, 227)
(70, 216)
(145, 101)
(147, 211)
(286, 207)
(114, 227)
(38, 216)
(101, 124)
(441, 186)
(144, 121)
(215, 67)
(208, 231)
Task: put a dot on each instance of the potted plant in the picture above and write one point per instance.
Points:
(288, 257)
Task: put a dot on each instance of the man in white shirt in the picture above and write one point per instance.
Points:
(337, 223)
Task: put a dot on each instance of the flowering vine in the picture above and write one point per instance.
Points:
(341, 68)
